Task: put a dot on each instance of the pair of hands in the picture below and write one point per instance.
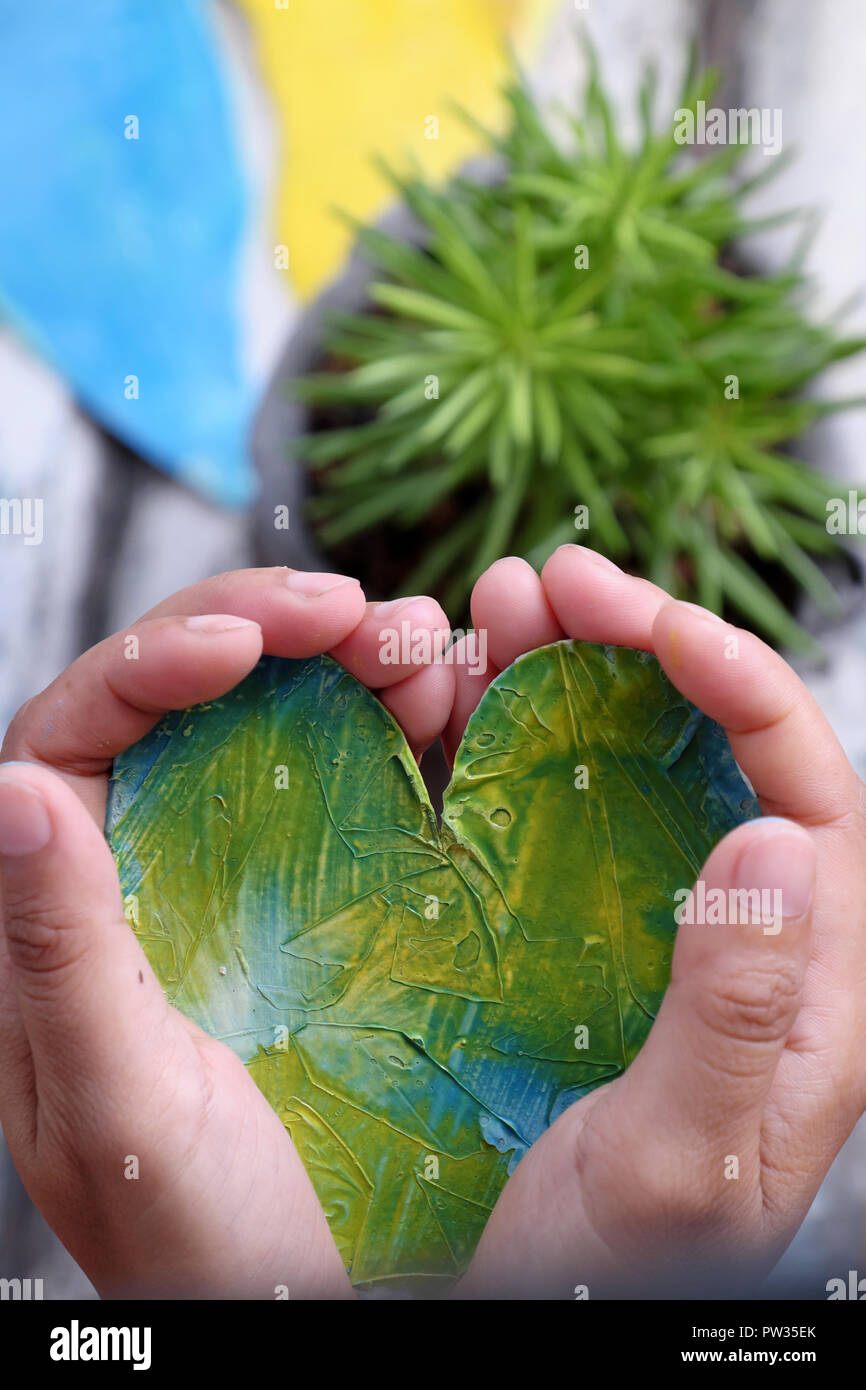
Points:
(755, 1054)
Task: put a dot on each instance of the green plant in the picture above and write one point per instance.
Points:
(598, 377)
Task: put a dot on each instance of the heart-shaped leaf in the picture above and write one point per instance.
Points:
(417, 1002)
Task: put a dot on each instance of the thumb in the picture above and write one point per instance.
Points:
(76, 982)
(739, 966)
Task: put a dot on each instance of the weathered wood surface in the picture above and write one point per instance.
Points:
(118, 536)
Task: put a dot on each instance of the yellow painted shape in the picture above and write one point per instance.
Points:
(353, 78)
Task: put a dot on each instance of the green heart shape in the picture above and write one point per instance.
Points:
(419, 1003)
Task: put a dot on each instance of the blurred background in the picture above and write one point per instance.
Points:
(167, 228)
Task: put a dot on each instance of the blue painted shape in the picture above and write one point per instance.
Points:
(119, 257)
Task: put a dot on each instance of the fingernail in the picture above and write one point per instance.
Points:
(701, 612)
(597, 559)
(217, 622)
(780, 860)
(393, 606)
(24, 823)
(313, 585)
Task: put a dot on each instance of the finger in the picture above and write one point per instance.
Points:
(112, 694)
(739, 965)
(422, 704)
(300, 613)
(117, 690)
(510, 605)
(594, 601)
(511, 616)
(473, 672)
(777, 732)
(16, 1063)
(82, 982)
(394, 640)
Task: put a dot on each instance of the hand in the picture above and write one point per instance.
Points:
(145, 1143)
(756, 1053)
